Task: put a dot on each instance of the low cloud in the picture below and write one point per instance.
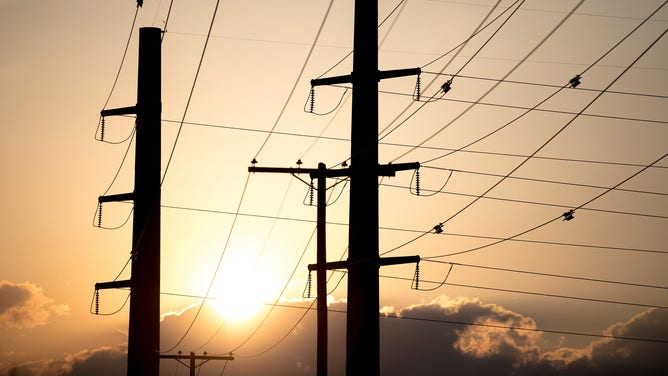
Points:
(104, 361)
(24, 305)
(432, 338)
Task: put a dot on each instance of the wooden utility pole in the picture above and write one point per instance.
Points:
(192, 365)
(362, 330)
(144, 283)
(321, 173)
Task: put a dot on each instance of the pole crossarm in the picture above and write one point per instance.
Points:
(348, 78)
(382, 261)
(383, 170)
(132, 110)
(118, 197)
(113, 285)
(198, 357)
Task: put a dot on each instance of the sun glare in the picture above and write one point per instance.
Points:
(241, 292)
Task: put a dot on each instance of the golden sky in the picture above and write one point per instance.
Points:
(504, 154)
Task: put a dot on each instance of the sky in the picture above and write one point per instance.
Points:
(509, 286)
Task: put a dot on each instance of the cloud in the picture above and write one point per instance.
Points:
(24, 305)
(104, 361)
(421, 339)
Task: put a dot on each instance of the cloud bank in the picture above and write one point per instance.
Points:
(421, 339)
(24, 305)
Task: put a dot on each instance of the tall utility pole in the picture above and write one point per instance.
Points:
(362, 331)
(144, 283)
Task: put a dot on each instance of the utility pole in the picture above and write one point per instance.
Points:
(192, 357)
(321, 173)
(144, 283)
(362, 330)
(321, 265)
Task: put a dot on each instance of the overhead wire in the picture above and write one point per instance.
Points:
(445, 233)
(120, 68)
(542, 224)
(217, 269)
(589, 103)
(190, 94)
(296, 83)
(552, 275)
(481, 26)
(491, 89)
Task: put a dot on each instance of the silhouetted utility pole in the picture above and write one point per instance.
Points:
(144, 283)
(362, 331)
(321, 173)
(192, 357)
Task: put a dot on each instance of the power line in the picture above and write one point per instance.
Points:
(592, 300)
(443, 321)
(562, 276)
(545, 85)
(211, 211)
(192, 90)
(528, 202)
(546, 181)
(343, 139)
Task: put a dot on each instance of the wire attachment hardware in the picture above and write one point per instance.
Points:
(568, 215)
(575, 81)
(438, 228)
(446, 86)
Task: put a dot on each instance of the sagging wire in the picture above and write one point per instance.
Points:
(95, 305)
(418, 187)
(309, 106)
(439, 285)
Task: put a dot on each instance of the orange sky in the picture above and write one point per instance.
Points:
(521, 161)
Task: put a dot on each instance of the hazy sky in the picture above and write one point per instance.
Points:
(507, 287)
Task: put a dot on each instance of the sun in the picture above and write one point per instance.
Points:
(241, 291)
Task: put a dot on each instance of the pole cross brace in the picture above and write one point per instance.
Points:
(348, 78)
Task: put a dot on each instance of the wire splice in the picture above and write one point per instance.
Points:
(438, 228)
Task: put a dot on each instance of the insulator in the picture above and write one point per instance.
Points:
(254, 162)
(416, 277)
(417, 182)
(99, 214)
(312, 99)
(308, 285)
(311, 192)
(102, 130)
(418, 88)
(97, 302)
